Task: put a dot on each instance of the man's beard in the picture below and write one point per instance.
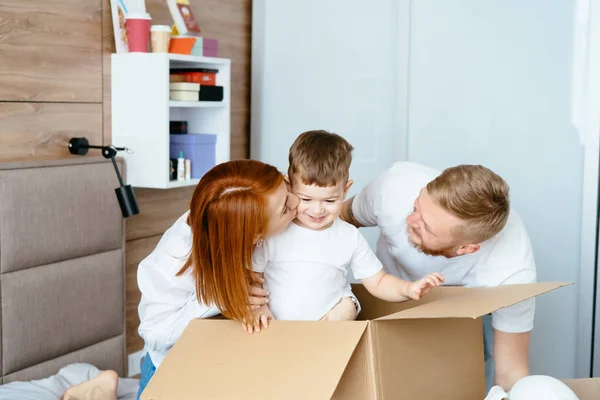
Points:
(429, 251)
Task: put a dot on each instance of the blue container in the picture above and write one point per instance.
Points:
(199, 148)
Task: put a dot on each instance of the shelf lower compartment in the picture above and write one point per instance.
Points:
(175, 184)
(197, 104)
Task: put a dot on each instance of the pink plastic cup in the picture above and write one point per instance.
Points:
(138, 32)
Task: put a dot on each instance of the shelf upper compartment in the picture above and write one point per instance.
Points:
(185, 59)
(176, 60)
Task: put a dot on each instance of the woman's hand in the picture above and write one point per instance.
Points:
(344, 310)
(258, 296)
(262, 316)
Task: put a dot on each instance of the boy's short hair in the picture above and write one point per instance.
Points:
(320, 158)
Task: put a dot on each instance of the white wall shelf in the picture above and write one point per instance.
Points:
(197, 104)
(141, 111)
(176, 184)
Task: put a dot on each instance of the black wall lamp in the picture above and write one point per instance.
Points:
(125, 195)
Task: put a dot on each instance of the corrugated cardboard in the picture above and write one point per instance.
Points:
(585, 389)
(427, 349)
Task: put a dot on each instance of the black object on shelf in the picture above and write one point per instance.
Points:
(183, 70)
(125, 195)
(178, 127)
(211, 93)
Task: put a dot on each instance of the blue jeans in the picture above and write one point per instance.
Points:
(147, 371)
(488, 351)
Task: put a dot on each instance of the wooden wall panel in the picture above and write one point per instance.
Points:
(159, 210)
(136, 251)
(50, 50)
(108, 47)
(54, 52)
(42, 130)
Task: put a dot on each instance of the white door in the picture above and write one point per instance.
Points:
(336, 65)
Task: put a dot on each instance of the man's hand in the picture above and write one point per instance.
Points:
(348, 215)
(511, 355)
(344, 310)
(262, 316)
(420, 288)
(258, 296)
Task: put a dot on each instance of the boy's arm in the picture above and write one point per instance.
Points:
(390, 288)
(367, 267)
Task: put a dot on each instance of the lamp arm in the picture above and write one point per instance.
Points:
(125, 194)
(114, 162)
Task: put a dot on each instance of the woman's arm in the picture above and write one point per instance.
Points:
(168, 303)
(347, 309)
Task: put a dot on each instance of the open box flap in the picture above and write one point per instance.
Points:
(585, 389)
(216, 359)
(475, 302)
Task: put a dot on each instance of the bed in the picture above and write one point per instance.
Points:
(62, 277)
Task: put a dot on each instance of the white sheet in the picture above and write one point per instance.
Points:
(54, 387)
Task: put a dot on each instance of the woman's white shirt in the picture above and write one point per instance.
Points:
(168, 301)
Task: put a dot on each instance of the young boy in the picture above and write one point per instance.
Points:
(305, 266)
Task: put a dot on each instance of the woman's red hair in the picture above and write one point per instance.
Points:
(228, 213)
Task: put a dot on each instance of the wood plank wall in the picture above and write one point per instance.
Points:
(55, 84)
(50, 76)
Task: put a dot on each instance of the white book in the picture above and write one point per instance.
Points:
(182, 95)
(185, 86)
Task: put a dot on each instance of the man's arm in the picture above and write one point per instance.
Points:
(511, 355)
(348, 214)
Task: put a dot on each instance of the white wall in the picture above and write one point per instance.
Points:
(484, 82)
(339, 65)
(490, 84)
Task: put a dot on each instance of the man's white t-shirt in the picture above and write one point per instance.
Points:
(507, 258)
(305, 271)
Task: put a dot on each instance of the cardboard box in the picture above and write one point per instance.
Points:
(585, 389)
(417, 350)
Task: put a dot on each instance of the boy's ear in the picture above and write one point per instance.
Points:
(286, 179)
(347, 187)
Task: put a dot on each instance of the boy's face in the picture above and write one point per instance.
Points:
(319, 206)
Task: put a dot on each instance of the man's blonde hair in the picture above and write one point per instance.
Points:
(320, 158)
(476, 195)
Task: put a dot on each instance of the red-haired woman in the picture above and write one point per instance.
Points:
(202, 265)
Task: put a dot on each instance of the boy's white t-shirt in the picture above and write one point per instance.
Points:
(305, 270)
(507, 258)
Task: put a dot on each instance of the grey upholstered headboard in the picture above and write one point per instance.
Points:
(62, 272)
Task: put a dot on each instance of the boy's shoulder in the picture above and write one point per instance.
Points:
(341, 227)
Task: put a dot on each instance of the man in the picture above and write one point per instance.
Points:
(458, 223)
